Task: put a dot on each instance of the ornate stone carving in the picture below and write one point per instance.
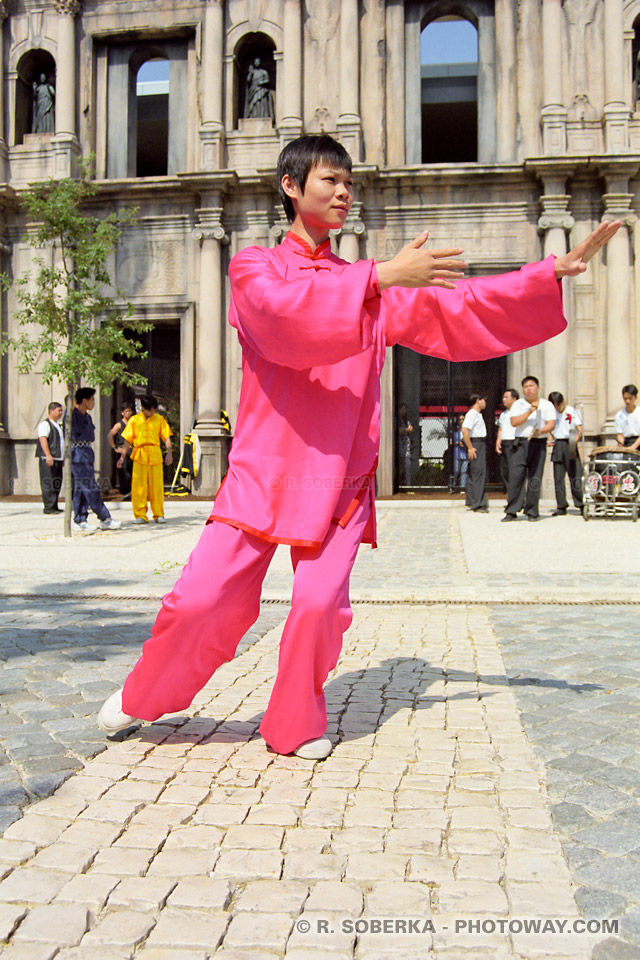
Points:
(616, 207)
(4, 13)
(555, 213)
(69, 8)
(210, 225)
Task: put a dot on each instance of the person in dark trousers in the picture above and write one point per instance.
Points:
(563, 463)
(86, 492)
(506, 433)
(50, 454)
(474, 434)
(533, 418)
(117, 444)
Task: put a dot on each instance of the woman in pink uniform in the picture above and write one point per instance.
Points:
(314, 331)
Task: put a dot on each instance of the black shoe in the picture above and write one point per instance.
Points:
(559, 513)
(533, 519)
(508, 517)
(480, 509)
(50, 513)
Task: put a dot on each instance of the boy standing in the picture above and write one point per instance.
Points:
(143, 432)
(314, 332)
(86, 493)
(50, 453)
(568, 419)
(627, 420)
(474, 434)
(533, 418)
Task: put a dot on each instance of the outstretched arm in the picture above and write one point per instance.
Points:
(575, 262)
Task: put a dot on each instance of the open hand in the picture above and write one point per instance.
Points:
(416, 267)
(575, 262)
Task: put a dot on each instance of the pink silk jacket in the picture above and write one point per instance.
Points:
(314, 331)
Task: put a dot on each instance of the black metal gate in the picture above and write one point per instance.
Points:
(436, 393)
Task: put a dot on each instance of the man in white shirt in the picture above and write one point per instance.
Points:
(506, 432)
(627, 420)
(533, 418)
(474, 434)
(50, 454)
(568, 420)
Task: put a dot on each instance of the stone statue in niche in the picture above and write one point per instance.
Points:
(258, 101)
(44, 98)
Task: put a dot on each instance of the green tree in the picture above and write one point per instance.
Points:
(72, 321)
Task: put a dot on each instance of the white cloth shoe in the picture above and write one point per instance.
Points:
(314, 749)
(110, 524)
(82, 527)
(111, 719)
(139, 520)
(160, 520)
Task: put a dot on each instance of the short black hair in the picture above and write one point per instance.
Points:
(84, 393)
(556, 397)
(149, 402)
(514, 393)
(298, 158)
(53, 405)
(529, 377)
(477, 396)
(127, 406)
(631, 389)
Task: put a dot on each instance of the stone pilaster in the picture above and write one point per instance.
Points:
(349, 125)
(214, 439)
(290, 125)
(506, 81)
(212, 129)
(554, 224)
(554, 114)
(619, 320)
(616, 112)
(65, 141)
(350, 235)
(4, 13)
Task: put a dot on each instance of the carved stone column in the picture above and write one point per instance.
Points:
(395, 83)
(349, 237)
(66, 67)
(349, 124)
(554, 224)
(212, 129)
(616, 113)
(506, 81)
(554, 114)
(214, 440)
(619, 321)
(5, 442)
(290, 126)
(4, 13)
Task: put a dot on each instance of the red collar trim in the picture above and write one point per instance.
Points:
(304, 248)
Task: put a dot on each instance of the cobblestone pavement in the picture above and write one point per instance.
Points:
(459, 792)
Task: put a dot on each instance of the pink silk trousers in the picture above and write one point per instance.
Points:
(217, 599)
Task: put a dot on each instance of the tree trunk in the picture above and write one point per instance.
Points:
(67, 485)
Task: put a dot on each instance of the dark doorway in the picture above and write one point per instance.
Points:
(161, 367)
(437, 393)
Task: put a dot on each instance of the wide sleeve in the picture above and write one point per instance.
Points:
(300, 323)
(483, 317)
(165, 430)
(129, 432)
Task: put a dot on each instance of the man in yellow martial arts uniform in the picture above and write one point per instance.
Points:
(143, 432)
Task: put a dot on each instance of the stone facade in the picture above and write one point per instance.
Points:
(558, 149)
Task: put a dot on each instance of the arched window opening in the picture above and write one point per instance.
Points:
(152, 113)
(255, 78)
(35, 95)
(449, 91)
(635, 65)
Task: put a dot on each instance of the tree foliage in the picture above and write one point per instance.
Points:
(72, 321)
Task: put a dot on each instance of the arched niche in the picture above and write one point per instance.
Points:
(449, 90)
(481, 15)
(35, 67)
(254, 62)
(150, 76)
